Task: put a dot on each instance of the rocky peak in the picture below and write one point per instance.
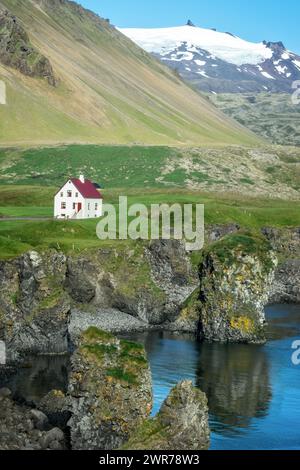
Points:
(190, 23)
(275, 46)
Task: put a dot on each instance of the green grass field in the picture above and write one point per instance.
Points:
(270, 171)
(77, 236)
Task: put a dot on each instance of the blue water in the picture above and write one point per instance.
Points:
(253, 390)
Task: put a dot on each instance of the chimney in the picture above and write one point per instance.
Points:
(81, 177)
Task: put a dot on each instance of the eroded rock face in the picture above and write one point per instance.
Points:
(16, 50)
(286, 242)
(109, 389)
(25, 429)
(37, 290)
(181, 424)
(34, 309)
(236, 275)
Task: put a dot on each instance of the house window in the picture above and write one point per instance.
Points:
(69, 193)
(61, 194)
(63, 205)
(76, 194)
(74, 206)
(96, 206)
(89, 206)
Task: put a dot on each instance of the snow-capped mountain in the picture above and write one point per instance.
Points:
(220, 62)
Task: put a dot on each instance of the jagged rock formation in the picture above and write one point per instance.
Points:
(236, 275)
(286, 286)
(181, 424)
(25, 429)
(34, 309)
(16, 50)
(48, 299)
(110, 391)
(38, 292)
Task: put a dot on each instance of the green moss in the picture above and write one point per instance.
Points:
(93, 334)
(99, 350)
(52, 299)
(121, 374)
(244, 243)
(133, 352)
(151, 431)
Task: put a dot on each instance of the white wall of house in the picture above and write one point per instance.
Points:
(69, 203)
(92, 209)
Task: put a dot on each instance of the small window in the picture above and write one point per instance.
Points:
(89, 206)
(61, 194)
(76, 194)
(74, 206)
(63, 205)
(96, 206)
(69, 193)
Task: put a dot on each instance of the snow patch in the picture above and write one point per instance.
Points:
(280, 69)
(201, 72)
(285, 56)
(297, 63)
(228, 48)
(267, 75)
(200, 62)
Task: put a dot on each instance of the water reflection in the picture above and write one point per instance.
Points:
(253, 391)
(38, 376)
(236, 381)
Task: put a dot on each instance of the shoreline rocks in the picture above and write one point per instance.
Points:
(236, 275)
(181, 423)
(110, 391)
(22, 428)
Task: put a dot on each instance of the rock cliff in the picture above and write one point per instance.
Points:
(17, 51)
(181, 424)
(110, 391)
(236, 275)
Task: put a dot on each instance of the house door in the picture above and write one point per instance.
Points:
(79, 207)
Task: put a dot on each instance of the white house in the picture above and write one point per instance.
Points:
(78, 199)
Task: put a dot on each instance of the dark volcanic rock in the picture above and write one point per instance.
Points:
(181, 424)
(25, 429)
(34, 309)
(236, 275)
(16, 50)
(110, 391)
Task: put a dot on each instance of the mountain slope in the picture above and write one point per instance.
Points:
(108, 90)
(221, 62)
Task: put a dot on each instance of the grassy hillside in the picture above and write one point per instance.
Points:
(272, 116)
(109, 90)
(269, 172)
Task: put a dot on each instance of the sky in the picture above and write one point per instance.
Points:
(272, 20)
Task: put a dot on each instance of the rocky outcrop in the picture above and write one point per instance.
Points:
(128, 288)
(110, 391)
(181, 424)
(286, 242)
(55, 405)
(236, 275)
(149, 283)
(171, 269)
(34, 309)
(16, 50)
(286, 286)
(24, 429)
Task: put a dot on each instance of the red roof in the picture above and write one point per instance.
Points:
(87, 189)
